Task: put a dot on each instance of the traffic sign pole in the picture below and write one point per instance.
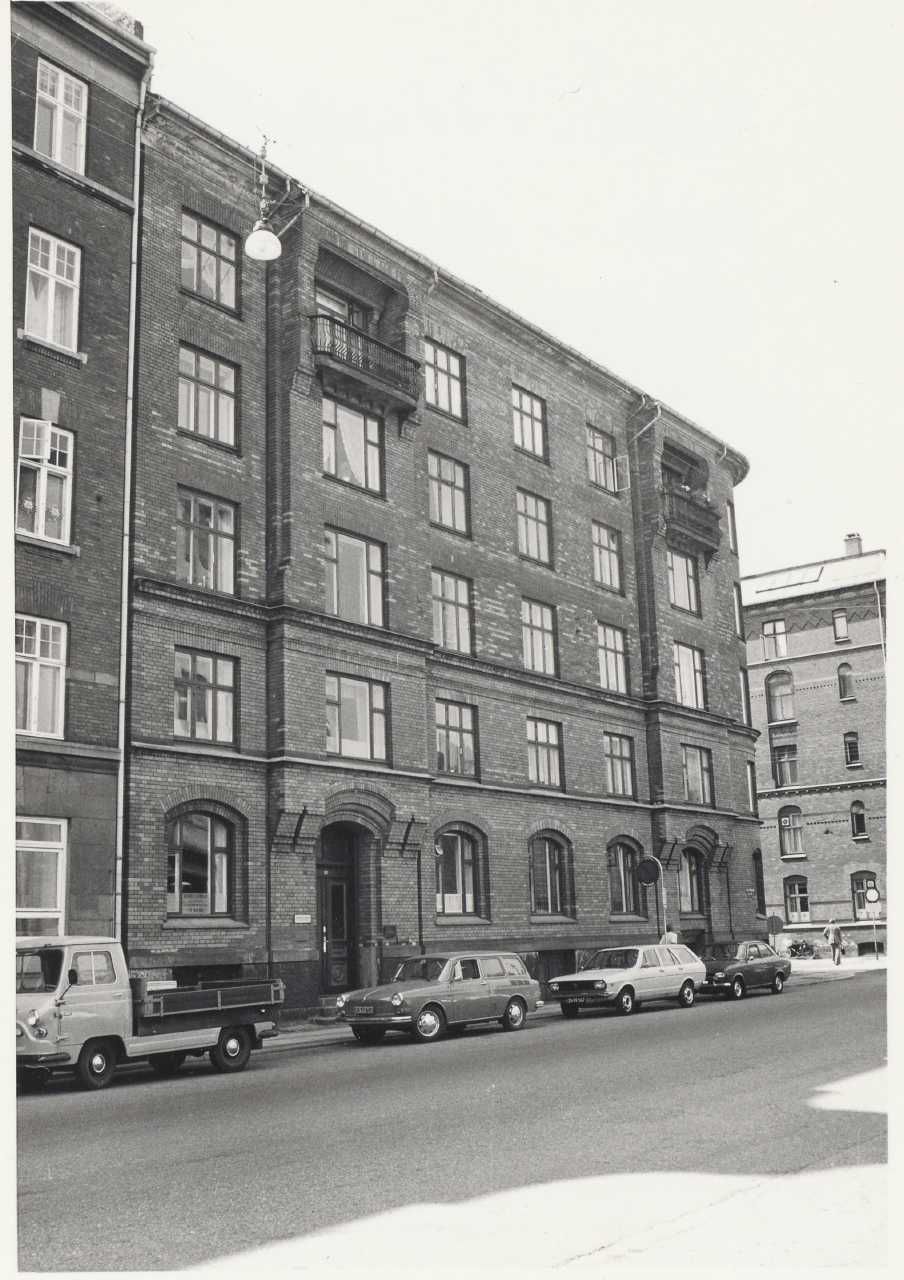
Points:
(872, 906)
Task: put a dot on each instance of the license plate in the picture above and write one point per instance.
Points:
(362, 1008)
(582, 999)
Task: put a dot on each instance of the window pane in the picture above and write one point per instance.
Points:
(37, 304)
(64, 316)
(37, 879)
(44, 113)
(48, 695)
(355, 719)
(70, 146)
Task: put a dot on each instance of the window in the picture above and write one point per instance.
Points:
(683, 588)
(601, 459)
(779, 696)
(207, 394)
(40, 876)
(538, 637)
(732, 527)
(610, 647)
(690, 684)
(618, 759)
(852, 749)
(449, 496)
(208, 261)
(344, 309)
(203, 697)
(860, 882)
(94, 968)
(845, 682)
(775, 638)
(457, 876)
(697, 764)
(840, 624)
(533, 526)
(529, 422)
(352, 445)
(745, 696)
(52, 290)
(549, 877)
(627, 896)
(606, 556)
(751, 786)
(738, 611)
(444, 379)
(44, 483)
(759, 883)
(784, 765)
(200, 866)
(61, 109)
(790, 832)
(354, 578)
(205, 553)
(451, 611)
(691, 882)
(356, 713)
(544, 753)
(797, 900)
(40, 676)
(456, 738)
(858, 820)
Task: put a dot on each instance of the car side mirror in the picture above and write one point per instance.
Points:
(72, 977)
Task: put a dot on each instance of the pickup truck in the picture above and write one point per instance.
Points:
(78, 1010)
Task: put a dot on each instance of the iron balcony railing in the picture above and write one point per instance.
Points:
(339, 341)
(692, 516)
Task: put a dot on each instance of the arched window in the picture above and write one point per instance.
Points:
(858, 819)
(759, 883)
(458, 890)
(550, 877)
(627, 896)
(860, 882)
(780, 696)
(845, 681)
(200, 877)
(797, 900)
(790, 831)
(691, 882)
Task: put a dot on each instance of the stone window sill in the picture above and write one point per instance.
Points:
(67, 548)
(460, 919)
(855, 764)
(793, 857)
(203, 922)
(44, 343)
(551, 919)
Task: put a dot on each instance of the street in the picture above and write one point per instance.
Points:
(203, 1168)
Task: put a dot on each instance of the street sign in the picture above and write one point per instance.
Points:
(648, 870)
(872, 894)
(873, 910)
(775, 924)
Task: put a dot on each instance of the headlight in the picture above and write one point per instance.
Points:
(718, 975)
(554, 986)
(19, 1031)
(32, 1019)
(397, 1000)
(341, 1002)
(600, 986)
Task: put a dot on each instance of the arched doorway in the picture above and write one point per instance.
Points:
(337, 891)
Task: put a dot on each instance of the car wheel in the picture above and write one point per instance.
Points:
(625, 1002)
(369, 1035)
(96, 1064)
(778, 984)
(166, 1064)
(570, 1009)
(429, 1024)
(515, 1016)
(687, 995)
(736, 990)
(232, 1050)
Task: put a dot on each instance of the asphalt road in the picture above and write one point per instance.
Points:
(166, 1174)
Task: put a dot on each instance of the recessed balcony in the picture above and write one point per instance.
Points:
(689, 517)
(353, 356)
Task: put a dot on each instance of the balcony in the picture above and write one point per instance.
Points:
(351, 355)
(690, 518)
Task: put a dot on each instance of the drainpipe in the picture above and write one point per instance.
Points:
(728, 895)
(118, 874)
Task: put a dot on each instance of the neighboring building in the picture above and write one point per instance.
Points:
(77, 82)
(432, 616)
(816, 662)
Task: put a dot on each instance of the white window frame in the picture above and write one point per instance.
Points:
(60, 847)
(41, 244)
(692, 883)
(37, 662)
(684, 584)
(49, 439)
(840, 625)
(775, 639)
(52, 94)
(801, 887)
(458, 850)
(738, 610)
(690, 675)
(222, 541)
(751, 786)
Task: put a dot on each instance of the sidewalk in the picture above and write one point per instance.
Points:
(311, 1035)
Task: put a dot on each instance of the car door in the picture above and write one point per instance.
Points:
(757, 966)
(96, 1005)
(470, 998)
(671, 972)
(649, 977)
(499, 984)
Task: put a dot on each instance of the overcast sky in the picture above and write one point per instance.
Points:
(696, 194)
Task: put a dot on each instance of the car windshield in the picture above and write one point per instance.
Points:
(624, 958)
(38, 970)
(723, 951)
(420, 969)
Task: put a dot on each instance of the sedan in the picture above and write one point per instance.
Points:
(429, 994)
(627, 976)
(734, 968)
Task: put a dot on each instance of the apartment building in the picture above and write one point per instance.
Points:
(435, 622)
(816, 662)
(78, 74)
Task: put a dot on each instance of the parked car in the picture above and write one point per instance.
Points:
(626, 977)
(734, 968)
(427, 994)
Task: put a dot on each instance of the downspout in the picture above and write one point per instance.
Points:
(728, 895)
(118, 873)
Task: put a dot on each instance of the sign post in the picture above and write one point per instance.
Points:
(649, 870)
(872, 907)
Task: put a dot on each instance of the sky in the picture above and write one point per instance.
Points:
(696, 195)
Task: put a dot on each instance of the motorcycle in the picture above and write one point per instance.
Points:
(801, 949)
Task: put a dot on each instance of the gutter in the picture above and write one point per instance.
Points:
(124, 599)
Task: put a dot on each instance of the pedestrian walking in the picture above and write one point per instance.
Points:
(669, 935)
(833, 935)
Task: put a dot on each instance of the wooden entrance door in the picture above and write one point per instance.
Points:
(336, 875)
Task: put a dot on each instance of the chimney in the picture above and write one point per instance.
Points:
(853, 545)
